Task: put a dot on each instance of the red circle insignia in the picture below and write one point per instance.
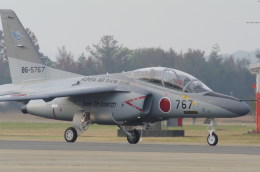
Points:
(165, 104)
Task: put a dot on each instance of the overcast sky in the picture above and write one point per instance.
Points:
(180, 24)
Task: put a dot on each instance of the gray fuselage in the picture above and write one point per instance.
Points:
(134, 101)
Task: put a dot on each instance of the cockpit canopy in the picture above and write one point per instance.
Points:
(170, 78)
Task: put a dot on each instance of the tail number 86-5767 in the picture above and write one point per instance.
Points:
(33, 69)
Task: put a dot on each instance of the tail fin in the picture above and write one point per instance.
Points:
(25, 62)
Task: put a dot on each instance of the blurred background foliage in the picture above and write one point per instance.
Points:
(226, 75)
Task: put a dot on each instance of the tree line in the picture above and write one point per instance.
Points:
(225, 75)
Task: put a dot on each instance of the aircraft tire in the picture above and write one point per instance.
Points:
(212, 139)
(71, 134)
(135, 137)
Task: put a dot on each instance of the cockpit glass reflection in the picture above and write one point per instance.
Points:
(169, 78)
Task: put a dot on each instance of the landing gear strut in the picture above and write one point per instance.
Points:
(212, 138)
(132, 136)
(81, 122)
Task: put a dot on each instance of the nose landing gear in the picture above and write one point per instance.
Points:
(212, 138)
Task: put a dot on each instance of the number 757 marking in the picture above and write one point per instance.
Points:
(184, 104)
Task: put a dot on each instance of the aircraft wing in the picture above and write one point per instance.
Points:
(66, 92)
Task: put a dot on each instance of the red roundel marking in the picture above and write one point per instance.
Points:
(165, 104)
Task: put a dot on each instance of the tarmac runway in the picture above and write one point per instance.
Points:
(125, 147)
(87, 156)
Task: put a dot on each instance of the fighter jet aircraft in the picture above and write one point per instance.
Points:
(134, 98)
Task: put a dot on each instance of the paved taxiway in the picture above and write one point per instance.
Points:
(86, 156)
(125, 147)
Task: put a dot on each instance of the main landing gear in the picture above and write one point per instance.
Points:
(212, 138)
(81, 122)
(132, 136)
(71, 134)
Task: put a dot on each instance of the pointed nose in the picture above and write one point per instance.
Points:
(231, 104)
(236, 107)
(242, 109)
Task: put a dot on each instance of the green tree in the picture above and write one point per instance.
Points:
(65, 61)
(86, 66)
(110, 54)
(194, 63)
(148, 57)
(214, 56)
(152, 57)
(173, 60)
(214, 68)
(257, 55)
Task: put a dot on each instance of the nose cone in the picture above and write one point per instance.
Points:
(234, 106)
(241, 109)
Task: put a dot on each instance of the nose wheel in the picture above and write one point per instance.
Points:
(212, 138)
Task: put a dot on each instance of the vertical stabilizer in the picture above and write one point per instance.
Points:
(24, 60)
